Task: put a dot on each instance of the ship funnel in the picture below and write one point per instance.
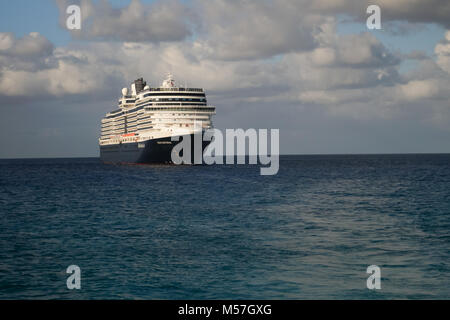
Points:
(140, 85)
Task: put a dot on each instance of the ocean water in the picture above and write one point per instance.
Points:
(226, 232)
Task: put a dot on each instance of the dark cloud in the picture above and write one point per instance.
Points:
(414, 11)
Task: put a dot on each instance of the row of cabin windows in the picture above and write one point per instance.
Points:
(126, 101)
(173, 94)
(199, 107)
(177, 89)
(129, 119)
(180, 109)
(173, 99)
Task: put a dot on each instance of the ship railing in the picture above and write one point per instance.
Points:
(177, 89)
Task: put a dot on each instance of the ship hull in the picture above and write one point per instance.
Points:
(149, 151)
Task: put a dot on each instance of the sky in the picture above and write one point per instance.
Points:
(311, 69)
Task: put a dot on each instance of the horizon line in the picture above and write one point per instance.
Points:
(287, 154)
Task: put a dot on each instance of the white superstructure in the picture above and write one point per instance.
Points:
(151, 113)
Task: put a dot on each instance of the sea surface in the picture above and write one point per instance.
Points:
(226, 232)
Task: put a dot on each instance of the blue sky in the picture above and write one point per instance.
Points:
(24, 16)
(342, 98)
(423, 38)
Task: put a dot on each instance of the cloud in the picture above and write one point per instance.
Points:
(242, 30)
(420, 89)
(32, 45)
(31, 52)
(360, 50)
(263, 64)
(168, 20)
(32, 67)
(331, 75)
(341, 70)
(442, 51)
(413, 11)
(232, 56)
(247, 30)
(416, 55)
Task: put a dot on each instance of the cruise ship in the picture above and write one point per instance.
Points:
(141, 129)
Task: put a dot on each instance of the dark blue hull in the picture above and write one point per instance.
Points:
(150, 151)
